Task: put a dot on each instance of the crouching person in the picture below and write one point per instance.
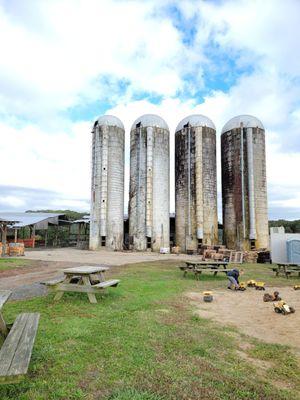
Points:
(233, 278)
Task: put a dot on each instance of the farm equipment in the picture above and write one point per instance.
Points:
(251, 283)
(282, 308)
(271, 297)
(297, 287)
(260, 285)
(242, 286)
(208, 296)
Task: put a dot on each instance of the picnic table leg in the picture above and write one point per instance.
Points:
(99, 277)
(91, 296)
(285, 272)
(198, 275)
(3, 327)
(60, 294)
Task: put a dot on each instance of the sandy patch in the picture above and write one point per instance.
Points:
(247, 312)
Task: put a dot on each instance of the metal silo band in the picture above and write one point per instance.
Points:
(252, 230)
(242, 181)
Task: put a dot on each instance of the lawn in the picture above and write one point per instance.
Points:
(12, 263)
(142, 341)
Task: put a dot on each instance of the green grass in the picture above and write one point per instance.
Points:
(12, 263)
(143, 342)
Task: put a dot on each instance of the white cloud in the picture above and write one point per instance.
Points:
(62, 54)
(269, 29)
(35, 159)
(47, 66)
(12, 201)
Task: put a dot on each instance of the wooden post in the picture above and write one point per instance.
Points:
(33, 236)
(16, 235)
(78, 233)
(46, 238)
(56, 236)
(69, 234)
(4, 234)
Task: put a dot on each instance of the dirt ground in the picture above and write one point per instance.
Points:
(95, 257)
(37, 271)
(247, 312)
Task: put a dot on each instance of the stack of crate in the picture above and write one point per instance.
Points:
(16, 249)
(250, 257)
(6, 249)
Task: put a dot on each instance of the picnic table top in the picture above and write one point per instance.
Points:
(289, 264)
(207, 262)
(85, 270)
(4, 296)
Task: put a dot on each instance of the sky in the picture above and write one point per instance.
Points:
(63, 63)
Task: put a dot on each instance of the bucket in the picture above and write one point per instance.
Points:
(208, 297)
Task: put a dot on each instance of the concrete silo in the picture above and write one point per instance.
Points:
(107, 197)
(196, 183)
(149, 223)
(244, 186)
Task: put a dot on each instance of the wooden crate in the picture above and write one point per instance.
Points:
(16, 249)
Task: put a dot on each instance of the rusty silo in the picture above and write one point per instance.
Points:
(195, 183)
(244, 186)
(107, 197)
(149, 224)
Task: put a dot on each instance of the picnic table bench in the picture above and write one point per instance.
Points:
(15, 353)
(197, 267)
(287, 269)
(85, 279)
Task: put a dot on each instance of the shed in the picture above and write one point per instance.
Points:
(35, 221)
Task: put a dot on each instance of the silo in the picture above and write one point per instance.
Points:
(107, 194)
(149, 223)
(195, 183)
(244, 185)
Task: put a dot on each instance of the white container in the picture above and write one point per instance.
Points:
(164, 250)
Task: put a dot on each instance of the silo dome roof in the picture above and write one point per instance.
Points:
(151, 120)
(248, 121)
(110, 120)
(196, 120)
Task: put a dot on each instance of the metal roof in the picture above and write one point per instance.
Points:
(110, 120)
(24, 219)
(196, 120)
(10, 221)
(81, 221)
(151, 120)
(248, 121)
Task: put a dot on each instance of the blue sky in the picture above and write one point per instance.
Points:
(65, 62)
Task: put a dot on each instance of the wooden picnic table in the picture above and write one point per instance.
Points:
(197, 267)
(4, 296)
(84, 279)
(287, 269)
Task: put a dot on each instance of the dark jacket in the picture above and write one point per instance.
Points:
(235, 273)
